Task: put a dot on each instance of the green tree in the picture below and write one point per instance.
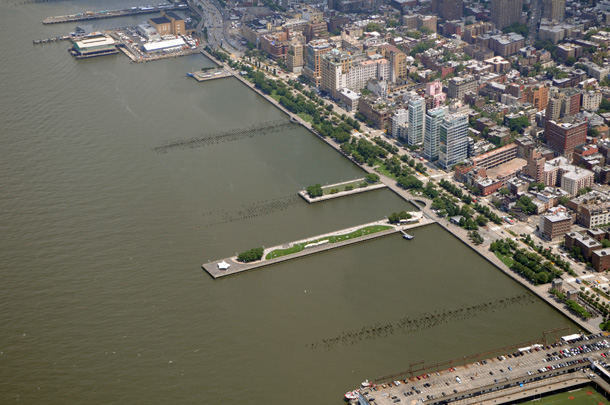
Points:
(372, 177)
(518, 28)
(370, 27)
(410, 182)
(526, 205)
(519, 124)
(251, 255)
(314, 191)
(604, 106)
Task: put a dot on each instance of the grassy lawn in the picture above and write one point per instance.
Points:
(304, 117)
(584, 396)
(506, 260)
(355, 184)
(275, 96)
(381, 169)
(367, 230)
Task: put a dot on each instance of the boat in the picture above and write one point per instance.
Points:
(365, 384)
(190, 74)
(407, 236)
(349, 395)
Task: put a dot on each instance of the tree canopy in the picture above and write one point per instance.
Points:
(250, 255)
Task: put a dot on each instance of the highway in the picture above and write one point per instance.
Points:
(216, 20)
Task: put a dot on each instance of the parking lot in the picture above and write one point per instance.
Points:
(524, 366)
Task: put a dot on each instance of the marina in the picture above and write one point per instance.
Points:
(96, 15)
(230, 266)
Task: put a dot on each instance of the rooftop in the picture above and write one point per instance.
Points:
(561, 216)
(160, 20)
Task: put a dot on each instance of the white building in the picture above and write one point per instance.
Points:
(361, 72)
(432, 130)
(453, 140)
(591, 100)
(417, 110)
(399, 123)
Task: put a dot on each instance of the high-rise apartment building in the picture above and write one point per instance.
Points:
(294, 57)
(563, 137)
(538, 96)
(398, 62)
(315, 50)
(417, 110)
(334, 66)
(506, 12)
(555, 106)
(453, 140)
(554, 9)
(432, 130)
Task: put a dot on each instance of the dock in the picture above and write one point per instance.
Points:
(406, 235)
(202, 76)
(219, 268)
(96, 15)
(357, 189)
(516, 373)
(54, 39)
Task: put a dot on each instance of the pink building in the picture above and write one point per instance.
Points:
(435, 90)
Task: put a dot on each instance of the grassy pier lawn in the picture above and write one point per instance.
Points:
(353, 185)
(367, 230)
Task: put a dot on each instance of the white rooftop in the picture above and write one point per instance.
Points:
(156, 46)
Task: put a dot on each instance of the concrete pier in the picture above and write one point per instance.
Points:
(355, 190)
(211, 75)
(518, 373)
(236, 267)
(96, 15)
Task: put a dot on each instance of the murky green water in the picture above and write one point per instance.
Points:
(102, 296)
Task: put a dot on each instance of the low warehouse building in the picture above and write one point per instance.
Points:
(163, 45)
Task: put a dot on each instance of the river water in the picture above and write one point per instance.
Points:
(103, 299)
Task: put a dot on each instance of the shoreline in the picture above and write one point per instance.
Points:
(539, 291)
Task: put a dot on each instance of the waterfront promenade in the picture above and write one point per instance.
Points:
(592, 326)
(215, 270)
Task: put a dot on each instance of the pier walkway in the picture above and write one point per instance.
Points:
(214, 268)
(344, 193)
(96, 15)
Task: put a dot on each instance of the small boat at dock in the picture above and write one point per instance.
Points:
(351, 395)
